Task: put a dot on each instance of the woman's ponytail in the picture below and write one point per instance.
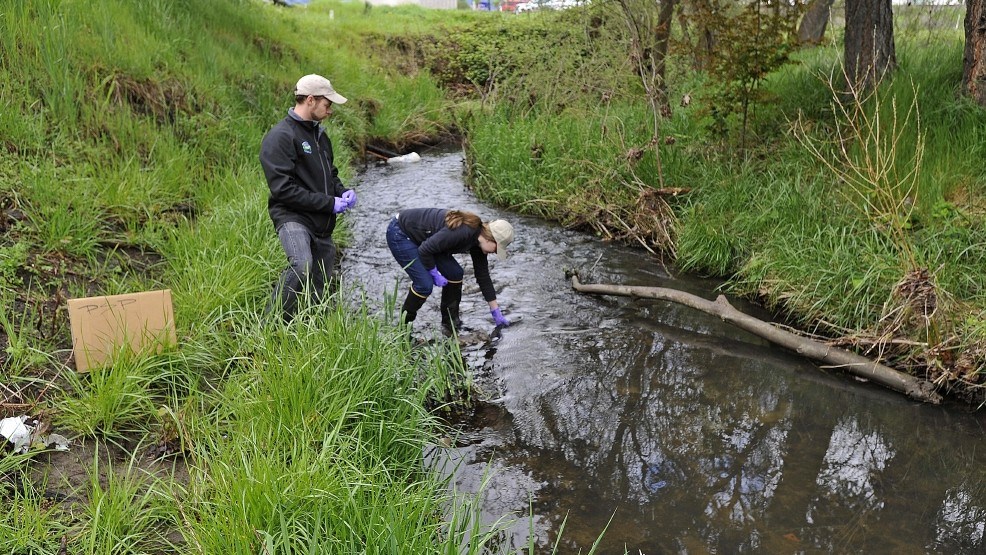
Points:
(455, 218)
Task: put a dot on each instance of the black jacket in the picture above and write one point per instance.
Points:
(297, 159)
(426, 228)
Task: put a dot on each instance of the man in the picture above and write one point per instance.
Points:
(305, 193)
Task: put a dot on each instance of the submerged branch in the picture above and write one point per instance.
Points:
(913, 387)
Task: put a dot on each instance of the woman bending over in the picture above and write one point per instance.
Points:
(423, 241)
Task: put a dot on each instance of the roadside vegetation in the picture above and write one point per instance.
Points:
(130, 134)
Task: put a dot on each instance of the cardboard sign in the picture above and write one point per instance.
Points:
(102, 326)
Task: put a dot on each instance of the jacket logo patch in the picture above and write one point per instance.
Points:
(306, 147)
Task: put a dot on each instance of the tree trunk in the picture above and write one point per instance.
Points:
(662, 36)
(856, 365)
(869, 47)
(649, 26)
(699, 12)
(814, 22)
(974, 60)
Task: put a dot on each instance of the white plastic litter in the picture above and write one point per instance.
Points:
(405, 159)
(16, 430)
(59, 441)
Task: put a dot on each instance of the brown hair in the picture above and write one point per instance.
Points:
(455, 218)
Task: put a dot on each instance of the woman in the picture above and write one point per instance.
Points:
(423, 241)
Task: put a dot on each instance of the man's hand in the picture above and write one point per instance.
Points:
(350, 197)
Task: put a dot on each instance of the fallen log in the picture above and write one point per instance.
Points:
(381, 152)
(832, 357)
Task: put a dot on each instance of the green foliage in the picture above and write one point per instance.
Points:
(124, 513)
(319, 440)
(25, 351)
(752, 41)
(115, 400)
(775, 221)
(549, 61)
(13, 258)
(27, 523)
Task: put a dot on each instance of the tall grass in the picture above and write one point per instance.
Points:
(134, 128)
(318, 442)
(27, 525)
(124, 511)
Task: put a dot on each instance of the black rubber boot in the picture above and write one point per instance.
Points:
(412, 303)
(451, 297)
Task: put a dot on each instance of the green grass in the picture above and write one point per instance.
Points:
(124, 511)
(131, 133)
(26, 524)
(134, 129)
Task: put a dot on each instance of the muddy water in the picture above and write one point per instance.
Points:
(665, 427)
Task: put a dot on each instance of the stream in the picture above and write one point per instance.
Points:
(664, 427)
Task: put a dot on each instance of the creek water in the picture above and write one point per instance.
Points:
(666, 428)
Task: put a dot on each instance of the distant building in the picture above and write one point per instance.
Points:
(928, 3)
(438, 4)
(433, 4)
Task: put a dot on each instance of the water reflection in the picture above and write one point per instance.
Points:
(691, 435)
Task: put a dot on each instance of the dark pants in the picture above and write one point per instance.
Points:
(405, 252)
(311, 262)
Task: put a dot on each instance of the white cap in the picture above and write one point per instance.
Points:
(316, 85)
(503, 233)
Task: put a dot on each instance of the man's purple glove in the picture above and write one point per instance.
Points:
(350, 197)
(339, 206)
(437, 277)
(499, 318)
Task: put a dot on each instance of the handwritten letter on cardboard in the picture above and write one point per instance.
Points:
(102, 326)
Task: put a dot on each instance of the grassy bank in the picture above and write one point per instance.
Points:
(131, 133)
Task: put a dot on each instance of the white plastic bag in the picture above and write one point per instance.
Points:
(17, 432)
(405, 159)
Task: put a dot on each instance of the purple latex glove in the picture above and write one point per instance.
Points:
(340, 205)
(499, 318)
(350, 197)
(438, 278)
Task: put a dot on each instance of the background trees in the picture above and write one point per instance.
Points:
(815, 21)
(869, 44)
(974, 60)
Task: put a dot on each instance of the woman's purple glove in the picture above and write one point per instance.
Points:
(340, 205)
(499, 318)
(350, 197)
(437, 277)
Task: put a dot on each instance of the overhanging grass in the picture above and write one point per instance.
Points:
(318, 442)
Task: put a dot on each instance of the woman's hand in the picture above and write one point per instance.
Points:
(498, 317)
(438, 278)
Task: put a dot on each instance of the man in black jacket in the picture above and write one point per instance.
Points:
(305, 192)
